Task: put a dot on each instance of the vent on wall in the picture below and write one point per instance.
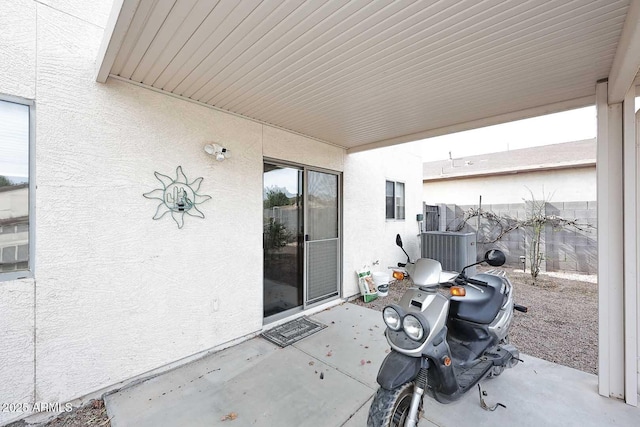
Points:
(454, 250)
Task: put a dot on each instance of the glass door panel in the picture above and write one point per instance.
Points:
(282, 238)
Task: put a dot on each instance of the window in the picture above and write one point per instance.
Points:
(395, 200)
(16, 255)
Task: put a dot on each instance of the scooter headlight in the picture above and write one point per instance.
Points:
(412, 327)
(391, 318)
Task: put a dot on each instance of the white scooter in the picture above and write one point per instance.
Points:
(443, 343)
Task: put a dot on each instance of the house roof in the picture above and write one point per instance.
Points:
(557, 156)
(363, 74)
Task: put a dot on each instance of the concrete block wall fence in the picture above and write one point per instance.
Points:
(564, 249)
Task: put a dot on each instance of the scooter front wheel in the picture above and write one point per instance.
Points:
(390, 408)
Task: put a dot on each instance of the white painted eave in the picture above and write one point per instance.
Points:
(117, 26)
(513, 171)
(363, 75)
(627, 60)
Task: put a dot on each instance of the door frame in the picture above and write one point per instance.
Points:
(305, 305)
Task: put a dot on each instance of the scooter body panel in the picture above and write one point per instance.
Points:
(397, 369)
(499, 327)
(433, 306)
(441, 372)
(404, 362)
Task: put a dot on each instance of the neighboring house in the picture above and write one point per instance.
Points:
(118, 286)
(563, 172)
(563, 175)
(14, 227)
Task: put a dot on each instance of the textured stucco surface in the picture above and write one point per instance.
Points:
(119, 294)
(368, 237)
(18, 48)
(116, 293)
(17, 78)
(16, 351)
(95, 11)
(282, 145)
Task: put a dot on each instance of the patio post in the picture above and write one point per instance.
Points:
(617, 175)
(630, 177)
(610, 245)
(616, 98)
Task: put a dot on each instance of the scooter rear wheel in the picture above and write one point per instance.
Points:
(390, 408)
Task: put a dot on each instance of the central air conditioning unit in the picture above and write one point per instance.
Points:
(454, 250)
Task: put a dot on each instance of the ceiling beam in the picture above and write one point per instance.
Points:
(626, 62)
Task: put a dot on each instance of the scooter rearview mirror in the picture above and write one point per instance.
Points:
(399, 243)
(495, 257)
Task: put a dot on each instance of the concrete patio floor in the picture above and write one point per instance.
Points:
(328, 379)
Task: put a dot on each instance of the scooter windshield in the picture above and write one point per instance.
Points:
(426, 272)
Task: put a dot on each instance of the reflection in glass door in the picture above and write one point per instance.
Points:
(282, 238)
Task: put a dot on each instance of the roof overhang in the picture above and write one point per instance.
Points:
(362, 74)
(514, 171)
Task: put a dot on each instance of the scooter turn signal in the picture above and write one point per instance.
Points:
(458, 291)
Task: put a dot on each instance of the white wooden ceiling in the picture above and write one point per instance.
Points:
(362, 73)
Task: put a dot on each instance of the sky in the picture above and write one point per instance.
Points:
(572, 125)
(286, 178)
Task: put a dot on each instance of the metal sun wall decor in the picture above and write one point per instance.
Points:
(178, 196)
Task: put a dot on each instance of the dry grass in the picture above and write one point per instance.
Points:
(93, 414)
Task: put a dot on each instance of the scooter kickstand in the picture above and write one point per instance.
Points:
(484, 405)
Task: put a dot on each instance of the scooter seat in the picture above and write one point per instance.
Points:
(479, 306)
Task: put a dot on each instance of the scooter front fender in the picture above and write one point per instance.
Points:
(398, 369)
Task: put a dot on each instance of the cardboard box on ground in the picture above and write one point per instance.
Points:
(365, 282)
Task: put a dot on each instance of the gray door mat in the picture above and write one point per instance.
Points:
(293, 331)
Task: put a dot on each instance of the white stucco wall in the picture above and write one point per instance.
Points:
(116, 293)
(17, 78)
(566, 185)
(282, 145)
(368, 237)
(18, 48)
(17, 349)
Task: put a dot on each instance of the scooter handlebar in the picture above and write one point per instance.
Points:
(476, 282)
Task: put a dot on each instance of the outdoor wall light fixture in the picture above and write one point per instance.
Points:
(218, 151)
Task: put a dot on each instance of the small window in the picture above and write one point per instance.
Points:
(15, 193)
(394, 200)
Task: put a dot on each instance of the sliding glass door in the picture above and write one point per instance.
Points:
(301, 219)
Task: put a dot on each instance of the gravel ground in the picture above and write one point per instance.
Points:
(561, 325)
